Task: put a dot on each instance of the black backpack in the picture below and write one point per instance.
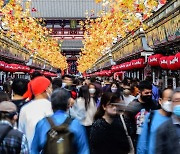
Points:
(59, 138)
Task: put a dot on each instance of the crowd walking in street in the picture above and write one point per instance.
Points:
(94, 116)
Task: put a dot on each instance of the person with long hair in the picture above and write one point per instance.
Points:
(84, 108)
(107, 134)
(115, 88)
(94, 93)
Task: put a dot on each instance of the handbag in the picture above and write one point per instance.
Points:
(129, 138)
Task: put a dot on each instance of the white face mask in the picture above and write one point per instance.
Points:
(92, 90)
(49, 92)
(64, 84)
(167, 106)
(113, 90)
(78, 87)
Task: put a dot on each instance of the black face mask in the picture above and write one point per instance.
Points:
(146, 99)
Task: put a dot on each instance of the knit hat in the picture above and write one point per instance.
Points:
(37, 86)
(7, 106)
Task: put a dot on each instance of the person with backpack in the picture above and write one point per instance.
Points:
(147, 139)
(59, 134)
(12, 141)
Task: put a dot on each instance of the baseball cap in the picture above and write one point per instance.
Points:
(7, 106)
(37, 86)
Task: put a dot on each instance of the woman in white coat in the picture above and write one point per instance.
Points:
(85, 108)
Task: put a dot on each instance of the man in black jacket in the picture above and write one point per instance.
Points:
(19, 87)
(138, 108)
(168, 134)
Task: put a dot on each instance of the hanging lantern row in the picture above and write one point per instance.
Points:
(102, 73)
(21, 68)
(50, 74)
(45, 73)
(171, 62)
(133, 64)
(13, 67)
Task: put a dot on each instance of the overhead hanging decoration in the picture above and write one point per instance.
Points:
(29, 33)
(123, 17)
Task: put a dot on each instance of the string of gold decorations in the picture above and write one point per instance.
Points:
(122, 18)
(21, 27)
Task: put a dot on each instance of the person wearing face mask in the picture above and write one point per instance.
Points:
(39, 90)
(92, 90)
(138, 108)
(12, 141)
(168, 134)
(67, 81)
(115, 88)
(147, 138)
(92, 105)
(84, 107)
(127, 95)
(144, 100)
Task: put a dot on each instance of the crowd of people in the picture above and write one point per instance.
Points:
(72, 115)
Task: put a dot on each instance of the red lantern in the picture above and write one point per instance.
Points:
(172, 62)
(163, 62)
(46, 73)
(113, 68)
(100, 73)
(12, 68)
(109, 73)
(153, 60)
(97, 73)
(104, 73)
(117, 68)
(27, 69)
(140, 63)
(178, 60)
(23, 68)
(128, 66)
(31, 71)
(133, 63)
(53, 75)
(2, 65)
(123, 66)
